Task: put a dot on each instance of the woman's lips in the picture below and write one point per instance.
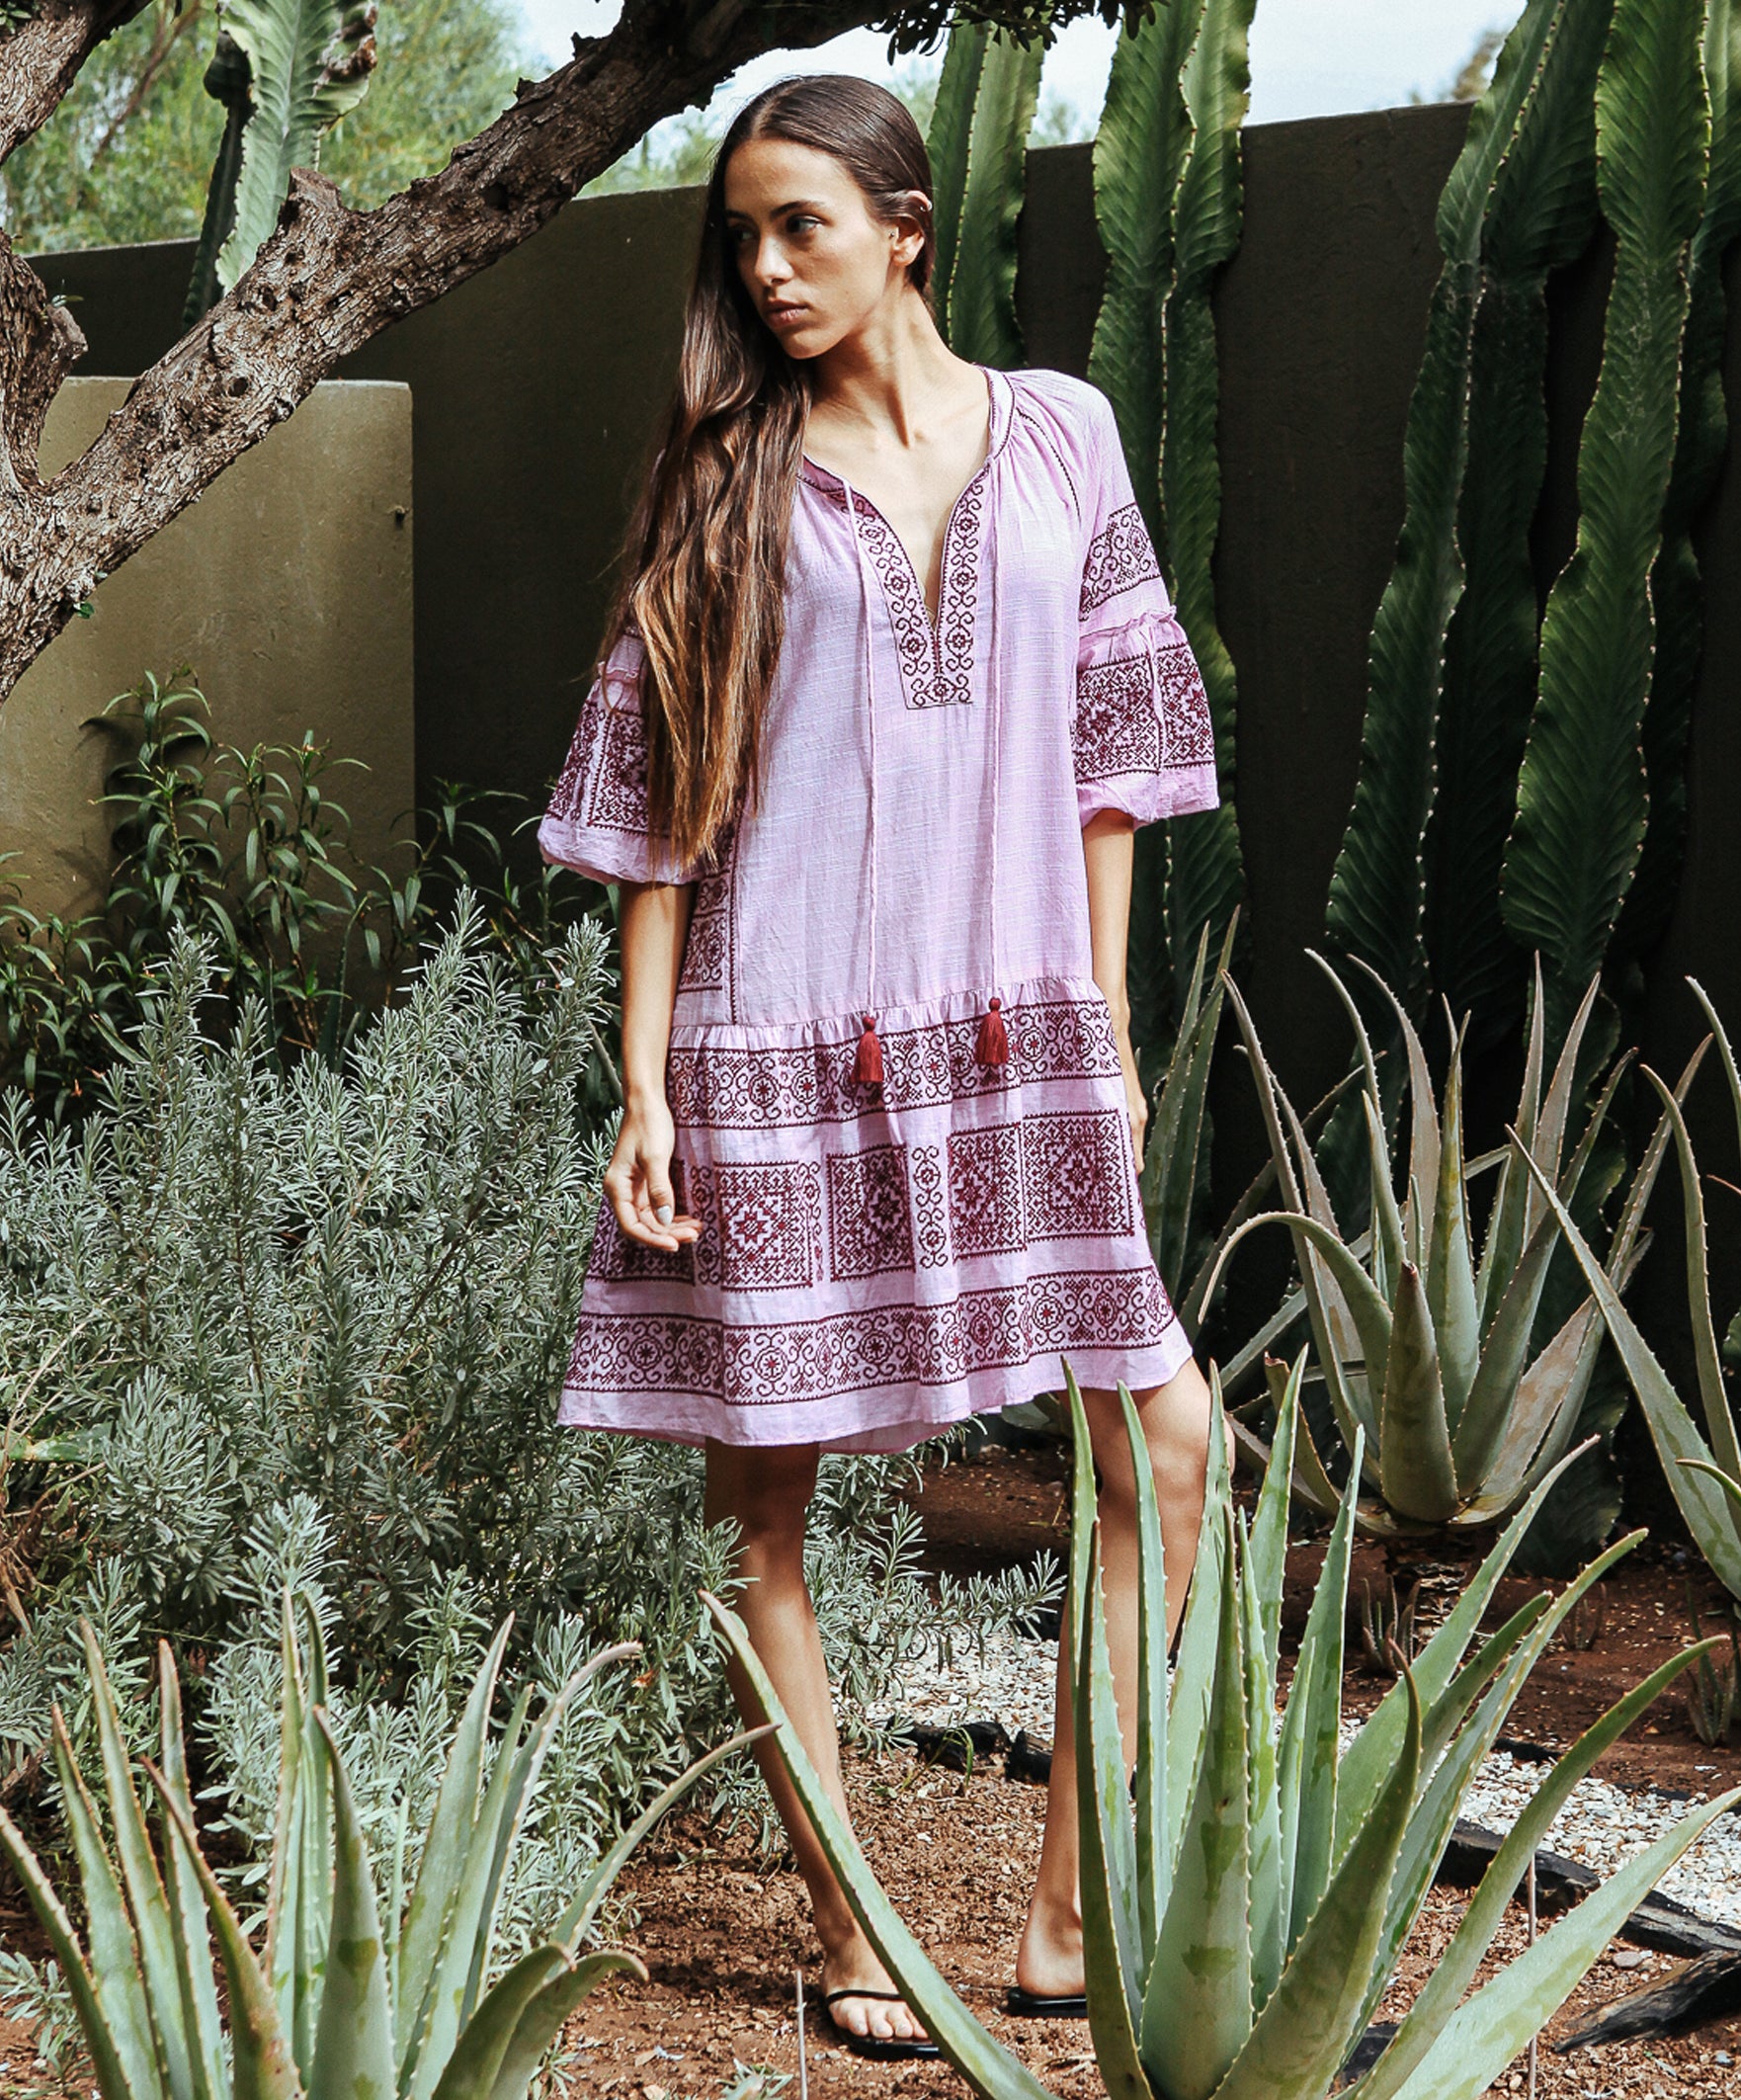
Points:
(783, 317)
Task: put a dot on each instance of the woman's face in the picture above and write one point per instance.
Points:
(815, 262)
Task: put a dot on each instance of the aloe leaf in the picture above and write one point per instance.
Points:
(1204, 869)
(1196, 2009)
(187, 1905)
(264, 2066)
(1110, 1949)
(511, 1779)
(1387, 1255)
(146, 1902)
(1268, 1551)
(471, 2068)
(1188, 1712)
(1154, 1863)
(984, 2063)
(1450, 1272)
(1719, 1423)
(1672, 1428)
(577, 1920)
(1375, 1750)
(1266, 1916)
(287, 1963)
(1304, 2035)
(1414, 1450)
(112, 2081)
(309, 63)
(443, 1863)
(314, 1841)
(1550, 1399)
(981, 303)
(115, 1961)
(1494, 2025)
(1310, 1730)
(1493, 1395)
(1372, 1315)
(1175, 1146)
(354, 2041)
(1423, 1109)
(1732, 1070)
(544, 2016)
(1581, 792)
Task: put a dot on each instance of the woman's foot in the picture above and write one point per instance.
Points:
(854, 1969)
(1048, 1959)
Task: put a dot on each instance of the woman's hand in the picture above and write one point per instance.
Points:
(1136, 1100)
(637, 1182)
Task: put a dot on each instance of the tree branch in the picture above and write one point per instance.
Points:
(40, 60)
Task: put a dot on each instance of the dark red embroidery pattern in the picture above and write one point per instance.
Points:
(708, 949)
(783, 1087)
(770, 1224)
(1115, 728)
(1185, 708)
(885, 1345)
(1119, 557)
(621, 1260)
(931, 1228)
(985, 1190)
(937, 667)
(1078, 1175)
(618, 798)
(870, 1230)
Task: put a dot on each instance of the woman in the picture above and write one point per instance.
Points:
(890, 679)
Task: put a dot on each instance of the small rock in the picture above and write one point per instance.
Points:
(1629, 1958)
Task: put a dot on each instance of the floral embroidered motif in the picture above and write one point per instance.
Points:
(985, 1190)
(885, 1345)
(1119, 557)
(1078, 1176)
(1185, 708)
(1115, 728)
(726, 1087)
(869, 1230)
(770, 1224)
(931, 1229)
(936, 665)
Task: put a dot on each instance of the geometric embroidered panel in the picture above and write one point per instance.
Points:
(1115, 729)
(1118, 559)
(985, 1190)
(1078, 1175)
(770, 1224)
(1185, 708)
(870, 1230)
(619, 799)
(756, 1364)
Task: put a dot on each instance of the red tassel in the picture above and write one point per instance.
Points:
(993, 1046)
(868, 1064)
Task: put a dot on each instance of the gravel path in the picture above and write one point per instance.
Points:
(1601, 1825)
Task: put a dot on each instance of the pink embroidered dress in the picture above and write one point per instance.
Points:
(880, 1259)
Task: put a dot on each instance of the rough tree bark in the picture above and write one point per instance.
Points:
(330, 278)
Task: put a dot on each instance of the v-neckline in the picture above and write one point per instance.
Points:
(935, 652)
(933, 621)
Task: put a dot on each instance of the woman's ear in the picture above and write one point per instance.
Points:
(910, 238)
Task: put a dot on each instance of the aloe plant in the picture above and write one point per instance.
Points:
(1246, 1899)
(1704, 1471)
(978, 144)
(1519, 200)
(345, 1999)
(1581, 805)
(1427, 1344)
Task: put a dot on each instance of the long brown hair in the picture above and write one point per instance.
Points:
(704, 575)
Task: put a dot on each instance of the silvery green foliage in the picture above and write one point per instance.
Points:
(308, 1327)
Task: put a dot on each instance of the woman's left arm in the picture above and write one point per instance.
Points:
(1108, 851)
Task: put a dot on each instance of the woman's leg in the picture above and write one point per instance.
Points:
(766, 1492)
(1176, 1426)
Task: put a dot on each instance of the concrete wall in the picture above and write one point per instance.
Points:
(288, 588)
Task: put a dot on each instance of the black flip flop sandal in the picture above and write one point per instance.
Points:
(1036, 2005)
(880, 2047)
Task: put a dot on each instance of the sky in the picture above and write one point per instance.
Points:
(1308, 58)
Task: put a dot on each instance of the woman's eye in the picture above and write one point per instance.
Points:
(802, 220)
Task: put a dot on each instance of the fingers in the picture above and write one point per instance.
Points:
(637, 1186)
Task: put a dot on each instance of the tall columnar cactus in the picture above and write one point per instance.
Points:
(1676, 586)
(978, 144)
(287, 72)
(1169, 198)
(1519, 200)
(1245, 1901)
(1581, 794)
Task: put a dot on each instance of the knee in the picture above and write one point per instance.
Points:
(1175, 1420)
(767, 1501)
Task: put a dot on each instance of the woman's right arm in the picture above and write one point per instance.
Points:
(652, 922)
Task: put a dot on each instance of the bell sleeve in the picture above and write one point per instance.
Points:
(597, 820)
(1141, 738)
